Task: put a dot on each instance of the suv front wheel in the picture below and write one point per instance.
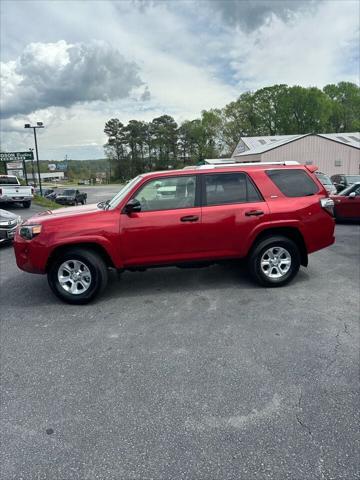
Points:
(77, 275)
(274, 261)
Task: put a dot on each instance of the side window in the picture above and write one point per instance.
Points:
(167, 193)
(224, 188)
(293, 183)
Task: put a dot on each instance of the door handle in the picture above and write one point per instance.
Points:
(254, 213)
(190, 218)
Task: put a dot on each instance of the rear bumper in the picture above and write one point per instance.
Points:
(320, 235)
(22, 198)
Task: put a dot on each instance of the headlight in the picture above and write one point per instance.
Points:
(18, 220)
(29, 231)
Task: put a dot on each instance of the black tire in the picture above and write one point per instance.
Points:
(254, 261)
(27, 204)
(98, 270)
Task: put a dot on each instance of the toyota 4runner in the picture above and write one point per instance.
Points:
(271, 214)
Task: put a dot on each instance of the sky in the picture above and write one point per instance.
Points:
(73, 65)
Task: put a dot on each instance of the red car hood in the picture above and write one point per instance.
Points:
(62, 212)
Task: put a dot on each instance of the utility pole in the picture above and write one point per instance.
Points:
(34, 127)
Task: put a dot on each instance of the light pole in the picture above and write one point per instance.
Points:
(34, 127)
(32, 167)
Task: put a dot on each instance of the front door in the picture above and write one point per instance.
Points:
(349, 207)
(167, 229)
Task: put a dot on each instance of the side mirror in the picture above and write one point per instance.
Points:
(133, 205)
(352, 195)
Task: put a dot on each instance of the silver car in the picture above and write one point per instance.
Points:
(8, 223)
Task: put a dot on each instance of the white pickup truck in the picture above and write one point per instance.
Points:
(12, 192)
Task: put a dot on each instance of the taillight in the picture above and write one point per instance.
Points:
(328, 205)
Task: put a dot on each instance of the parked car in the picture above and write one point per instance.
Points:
(8, 223)
(11, 191)
(50, 193)
(326, 181)
(342, 181)
(71, 197)
(347, 203)
(272, 214)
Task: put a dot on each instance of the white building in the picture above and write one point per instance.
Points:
(331, 152)
(45, 177)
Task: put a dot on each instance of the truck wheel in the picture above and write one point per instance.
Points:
(274, 261)
(26, 204)
(77, 276)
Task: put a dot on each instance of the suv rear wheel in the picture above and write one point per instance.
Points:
(274, 261)
(77, 276)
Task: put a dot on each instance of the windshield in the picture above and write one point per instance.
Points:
(324, 179)
(353, 178)
(68, 193)
(348, 190)
(123, 192)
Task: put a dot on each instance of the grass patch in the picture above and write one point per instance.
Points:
(46, 203)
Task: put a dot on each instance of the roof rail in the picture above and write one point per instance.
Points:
(246, 164)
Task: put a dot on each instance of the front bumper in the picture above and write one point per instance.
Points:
(7, 234)
(61, 201)
(31, 255)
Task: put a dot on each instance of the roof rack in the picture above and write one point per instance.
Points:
(246, 164)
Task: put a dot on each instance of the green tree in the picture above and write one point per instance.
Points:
(164, 141)
(116, 148)
(309, 110)
(345, 107)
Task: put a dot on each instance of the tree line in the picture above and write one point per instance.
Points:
(277, 110)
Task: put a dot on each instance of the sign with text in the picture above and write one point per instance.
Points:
(16, 156)
(14, 165)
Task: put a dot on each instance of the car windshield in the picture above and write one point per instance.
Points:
(349, 189)
(353, 178)
(324, 179)
(68, 193)
(123, 192)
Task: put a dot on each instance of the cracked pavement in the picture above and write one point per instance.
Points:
(184, 374)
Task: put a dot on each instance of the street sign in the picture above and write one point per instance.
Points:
(14, 156)
(17, 173)
(14, 165)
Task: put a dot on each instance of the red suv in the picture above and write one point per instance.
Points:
(272, 214)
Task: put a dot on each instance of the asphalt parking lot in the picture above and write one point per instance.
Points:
(184, 374)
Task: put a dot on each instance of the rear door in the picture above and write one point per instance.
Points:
(232, 208)
(168, 227)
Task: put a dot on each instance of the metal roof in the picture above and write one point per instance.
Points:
(352, 139)
(257, 145)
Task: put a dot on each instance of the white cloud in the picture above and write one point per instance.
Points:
(190, 55)
(309, 50)
(62, 74)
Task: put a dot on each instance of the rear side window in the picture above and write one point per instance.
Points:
(224, 188)
(8, 181)
(293, 183)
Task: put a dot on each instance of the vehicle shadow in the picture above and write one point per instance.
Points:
(33, 290)
(170, 280)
